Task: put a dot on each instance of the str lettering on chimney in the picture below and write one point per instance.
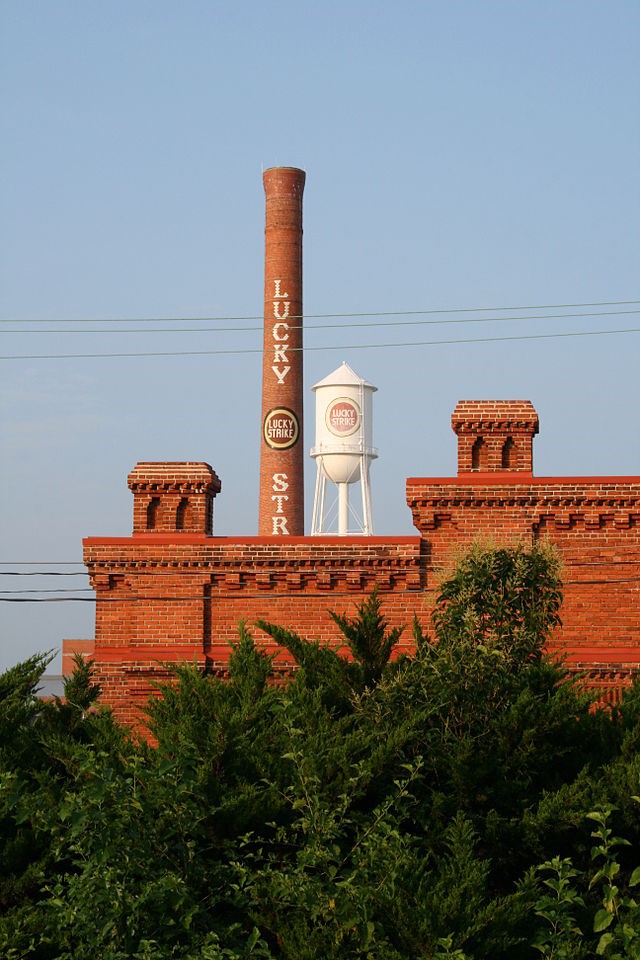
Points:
(279, 486)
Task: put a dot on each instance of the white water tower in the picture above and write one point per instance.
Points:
(344, 449)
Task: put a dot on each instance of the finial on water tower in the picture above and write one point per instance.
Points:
(343, 450)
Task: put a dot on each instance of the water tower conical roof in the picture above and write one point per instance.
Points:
(343, 376)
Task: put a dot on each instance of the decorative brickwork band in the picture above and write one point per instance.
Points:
(281, 506)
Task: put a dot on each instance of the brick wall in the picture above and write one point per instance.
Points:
(594, 522)
(166, 595)
(160, 598)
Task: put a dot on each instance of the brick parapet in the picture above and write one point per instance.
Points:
(111, 554)
(525, 504)
(150, 591)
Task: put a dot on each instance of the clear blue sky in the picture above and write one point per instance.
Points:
(458, 154)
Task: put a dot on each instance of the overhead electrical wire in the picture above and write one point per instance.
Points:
(41, 563)
(324, 326)
(351, 346)
(269, 595)
(444, 315)
(57, 590)
(330, 316)
(42, 573)
(18, 595)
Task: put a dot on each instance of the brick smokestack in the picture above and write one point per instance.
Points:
(281, 510)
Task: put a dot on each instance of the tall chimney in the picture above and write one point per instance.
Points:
(281, 510)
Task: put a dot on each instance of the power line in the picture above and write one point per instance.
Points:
(328, 316)
(53, 590)
(356, 346)
(309, 572)
(268, 595)
(155, 573)
(43, 563)
(43, 573)
(47, 599)
(326, 326)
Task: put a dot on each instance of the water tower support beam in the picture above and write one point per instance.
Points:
(317, 520)
(367, 516)
(343, 509)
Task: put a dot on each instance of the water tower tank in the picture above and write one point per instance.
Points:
(344, 445)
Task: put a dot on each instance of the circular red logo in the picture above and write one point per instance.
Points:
(343, 417)
(281, 428)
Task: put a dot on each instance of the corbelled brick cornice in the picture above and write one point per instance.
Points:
(478, 415)
(189, 475)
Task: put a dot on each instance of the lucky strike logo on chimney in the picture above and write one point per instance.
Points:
(281, 428)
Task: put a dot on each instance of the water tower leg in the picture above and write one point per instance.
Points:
(317, 520)
(343, 509)
(367, 518)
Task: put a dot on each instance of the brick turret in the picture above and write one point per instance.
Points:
(495, 435)
(173, 497)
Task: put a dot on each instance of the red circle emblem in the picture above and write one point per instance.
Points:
(343, 417)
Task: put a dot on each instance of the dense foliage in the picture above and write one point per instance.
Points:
(466, 802)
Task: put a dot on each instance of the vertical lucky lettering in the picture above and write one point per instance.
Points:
(280, 332)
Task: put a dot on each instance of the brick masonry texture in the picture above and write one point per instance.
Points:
(166, 595)
(281, 503)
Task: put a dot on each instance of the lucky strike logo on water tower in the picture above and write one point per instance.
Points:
(343, 417)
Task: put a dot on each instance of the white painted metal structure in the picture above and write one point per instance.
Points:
(343, 450)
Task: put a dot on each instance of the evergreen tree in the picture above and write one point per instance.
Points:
(430, 806)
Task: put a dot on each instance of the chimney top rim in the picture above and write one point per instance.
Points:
(277, 167)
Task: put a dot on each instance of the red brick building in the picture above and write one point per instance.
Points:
(174, 591)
